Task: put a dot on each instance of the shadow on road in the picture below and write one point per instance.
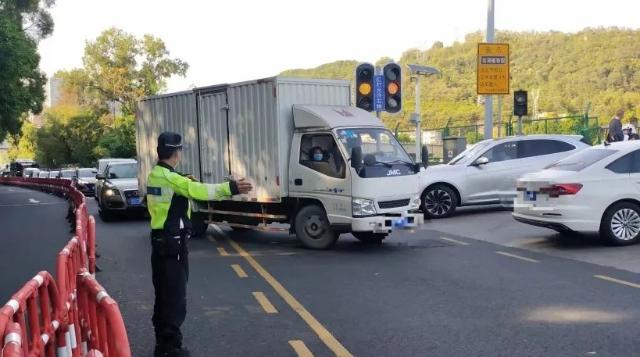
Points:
(572, 241)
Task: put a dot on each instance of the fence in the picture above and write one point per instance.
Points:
(71, 315)
(583, 125)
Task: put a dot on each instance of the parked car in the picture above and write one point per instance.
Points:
(102, 166)
(86, 180)
(486, 173)
(595, 190)
(119, 191)
(54, 174)
(43, 174)
(31, 172)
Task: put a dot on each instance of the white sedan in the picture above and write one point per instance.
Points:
(595, 190)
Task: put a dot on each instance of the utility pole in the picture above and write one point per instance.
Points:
(488, 103)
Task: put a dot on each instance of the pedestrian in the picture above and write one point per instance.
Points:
(615, 127)
(168, 194)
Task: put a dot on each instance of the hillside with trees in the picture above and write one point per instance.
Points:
(562, 72)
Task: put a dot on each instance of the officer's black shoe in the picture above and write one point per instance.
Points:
(178, 352)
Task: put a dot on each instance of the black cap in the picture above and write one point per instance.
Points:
(169, 141)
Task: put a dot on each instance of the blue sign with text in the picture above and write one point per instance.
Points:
(378, 93)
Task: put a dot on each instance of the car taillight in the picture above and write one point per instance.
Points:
(561, 189)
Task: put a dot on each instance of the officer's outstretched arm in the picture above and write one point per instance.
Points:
(200, 191)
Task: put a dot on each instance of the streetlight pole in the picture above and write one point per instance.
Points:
(488, 103)
(416, 72)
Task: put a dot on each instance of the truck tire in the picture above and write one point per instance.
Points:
(370, 237)
(198, 225)
(313, 229)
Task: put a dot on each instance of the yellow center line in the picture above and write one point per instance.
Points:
(239, 271)
(325, 336)
(300, 348)
(518, 257)
(614, 280)
(454, 241)
(223, 252)
(267, 306)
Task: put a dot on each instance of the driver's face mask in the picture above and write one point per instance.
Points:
(317, 156)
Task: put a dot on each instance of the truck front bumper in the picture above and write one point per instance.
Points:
(387, 223)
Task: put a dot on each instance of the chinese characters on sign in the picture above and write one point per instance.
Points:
(493, 68)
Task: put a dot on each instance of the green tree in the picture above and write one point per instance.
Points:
(119, 141)
(22, 24)
(118, 67)
(23, 146)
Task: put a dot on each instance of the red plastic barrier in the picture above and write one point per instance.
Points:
(74, 316)
(101, 317)
(12, 341)
(36, 309)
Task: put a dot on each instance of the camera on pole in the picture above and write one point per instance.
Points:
(364, 86)
(520, 103)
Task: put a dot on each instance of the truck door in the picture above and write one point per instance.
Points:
(213, 133)
(318, 170)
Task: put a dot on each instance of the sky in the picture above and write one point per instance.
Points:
(227, 41)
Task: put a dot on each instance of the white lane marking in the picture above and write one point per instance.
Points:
(454, 241)
(614, 280)
(33, 204)
(33, 200)
(518, 257)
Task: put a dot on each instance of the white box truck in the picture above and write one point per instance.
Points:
(316, 163)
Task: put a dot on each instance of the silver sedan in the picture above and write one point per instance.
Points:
(486, 173)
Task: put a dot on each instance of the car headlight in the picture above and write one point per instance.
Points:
(111, 192)
(416, 201)
(363, 207)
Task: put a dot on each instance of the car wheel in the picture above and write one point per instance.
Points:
(370, 237)
(313, 229)
(439, 201)
(621, 224)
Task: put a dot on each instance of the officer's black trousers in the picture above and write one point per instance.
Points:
(170, 272)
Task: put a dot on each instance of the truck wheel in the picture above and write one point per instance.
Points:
(439, 201)
(199, 225)
(621, 224)
(370, 237)
(313, 229)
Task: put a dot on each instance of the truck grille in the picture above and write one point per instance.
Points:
(131, 193)
(393, 204)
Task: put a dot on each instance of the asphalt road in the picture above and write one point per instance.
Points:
(471, 285)
(33, 229)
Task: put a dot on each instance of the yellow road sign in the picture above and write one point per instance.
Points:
(493, 68)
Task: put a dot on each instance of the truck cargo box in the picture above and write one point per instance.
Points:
(242, 129)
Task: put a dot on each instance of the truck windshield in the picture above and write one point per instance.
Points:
(382, 154)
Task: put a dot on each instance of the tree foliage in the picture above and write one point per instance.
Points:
(22, 24)
(119, 141)
(569, 71)
(118, 67)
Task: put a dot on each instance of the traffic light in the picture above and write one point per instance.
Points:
(520, 103)
(364, 86)
(393, 87)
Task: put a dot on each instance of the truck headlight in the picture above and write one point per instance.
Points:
(363, 207)
(416, 201)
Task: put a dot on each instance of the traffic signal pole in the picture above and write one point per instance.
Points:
(488, 103)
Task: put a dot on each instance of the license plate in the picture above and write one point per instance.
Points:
(134, 201)
(530, 196)
(400, 223)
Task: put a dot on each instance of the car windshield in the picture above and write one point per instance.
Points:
(377, 142)
(119, 171)
(67, 173)
(581, 160)
(470, 152)
(87, 172)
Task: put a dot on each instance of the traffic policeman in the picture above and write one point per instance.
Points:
(168, 194)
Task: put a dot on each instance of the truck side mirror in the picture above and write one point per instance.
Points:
(356, 158)
(424, 155)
